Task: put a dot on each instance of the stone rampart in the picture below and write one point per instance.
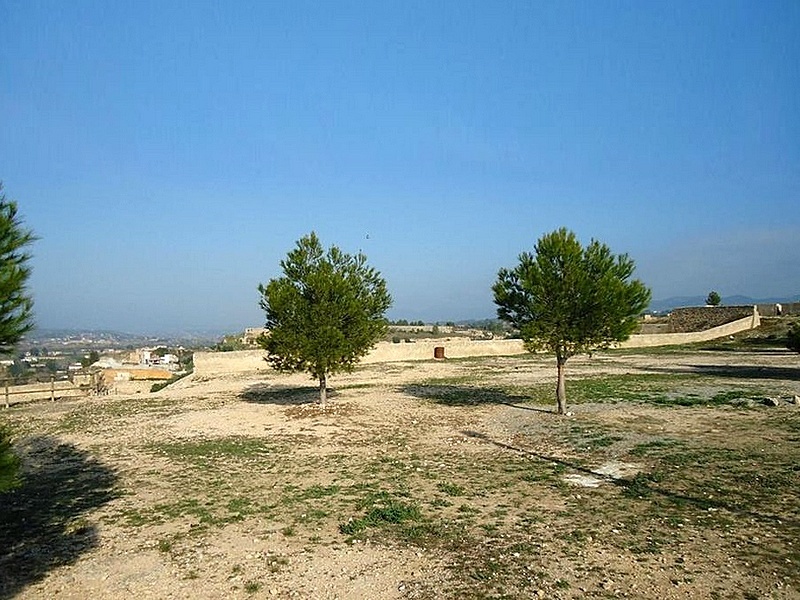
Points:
(702, 318)
(787, 309)
(676, 339)
(219, 363)
(453, 348)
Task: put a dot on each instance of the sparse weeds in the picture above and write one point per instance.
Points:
(674, 389)
(493, 506)
(214, 450)
(393, 512)
(451, 489)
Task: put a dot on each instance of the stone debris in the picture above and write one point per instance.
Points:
(781, 400)
(610, 470)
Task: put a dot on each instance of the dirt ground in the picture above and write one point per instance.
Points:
(239, 486)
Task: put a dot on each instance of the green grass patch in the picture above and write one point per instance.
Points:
(214, 449)
(391, 513)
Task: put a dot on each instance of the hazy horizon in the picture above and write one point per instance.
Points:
(237, 328)
(168, 155)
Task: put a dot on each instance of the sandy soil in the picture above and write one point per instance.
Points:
(104, 556)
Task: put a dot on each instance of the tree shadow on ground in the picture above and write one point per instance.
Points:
(465, 395)
(43, 523)
(735, 371)
(283, 396)
(642, 488)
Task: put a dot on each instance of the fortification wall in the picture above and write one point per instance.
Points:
(702, 318)
(787, 309)
(674, 339)
(453, 348)
(219, 363)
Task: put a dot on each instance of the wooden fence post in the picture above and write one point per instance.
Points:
(52, 388)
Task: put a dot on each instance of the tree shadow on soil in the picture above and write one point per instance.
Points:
(43, 523)
(465, 395)
(735, 371)
(640, 487)
(283, 396)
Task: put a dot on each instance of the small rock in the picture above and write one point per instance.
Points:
(770, 401)
(794, 399)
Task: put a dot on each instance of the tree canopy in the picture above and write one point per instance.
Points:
(793, 337)
(16, 309)
(325, 312)
(713, 298)
(569, 300)
(16, 304)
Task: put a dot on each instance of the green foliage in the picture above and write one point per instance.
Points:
(325, 312)
(160, 385)
(16, 304)
(16, 310)
(392, 512)
(90, 359)
(713, 299)
(793, 337)
(9, 462)
(569, 300)
(230, 343)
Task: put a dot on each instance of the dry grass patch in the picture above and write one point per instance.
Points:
(431, 481)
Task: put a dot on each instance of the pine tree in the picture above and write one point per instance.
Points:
(16, 304)
(16, 310)
(570, 300)
(325, 313)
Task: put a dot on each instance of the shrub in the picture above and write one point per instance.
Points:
(9, 462)
(793, 337)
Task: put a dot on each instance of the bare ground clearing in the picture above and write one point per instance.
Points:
(422, 480)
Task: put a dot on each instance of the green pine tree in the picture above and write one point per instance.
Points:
(570, 300)
(16, 309)
(325, 313)
(16, 304)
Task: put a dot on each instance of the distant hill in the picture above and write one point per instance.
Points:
(116, 339)
(668, 304)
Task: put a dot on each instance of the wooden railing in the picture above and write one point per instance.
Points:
(41, 391)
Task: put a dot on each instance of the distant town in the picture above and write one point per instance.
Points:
(123, 358)
(131, 362)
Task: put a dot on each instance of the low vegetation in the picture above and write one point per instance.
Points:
(472, 472)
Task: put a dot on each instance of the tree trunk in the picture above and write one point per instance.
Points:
(561, 389)
(323, 389)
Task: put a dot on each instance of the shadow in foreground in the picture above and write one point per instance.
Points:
(465, 395)
(283, 396)
(43, 523)
(736, 371)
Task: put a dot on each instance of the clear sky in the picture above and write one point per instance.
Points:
(169, 154)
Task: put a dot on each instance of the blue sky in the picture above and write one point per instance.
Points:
(169, 154)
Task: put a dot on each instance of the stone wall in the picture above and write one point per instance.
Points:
(221, 363)
(700, 318)
(674, 339)
(787, 309)
(218, 363)
(453, 348)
